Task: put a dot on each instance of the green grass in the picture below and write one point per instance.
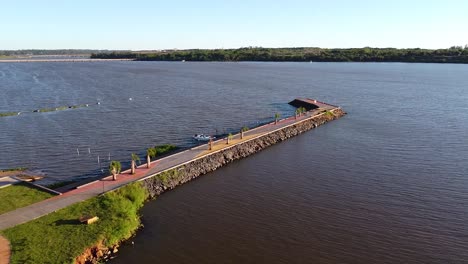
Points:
(8, 114)
(60, 238)
(162, 149)
(45, 110)
(167, 176)
(20, 195)
(14, 169)
(329, 113)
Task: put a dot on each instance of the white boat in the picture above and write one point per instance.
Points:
(202, 137)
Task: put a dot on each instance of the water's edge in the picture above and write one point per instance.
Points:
(159, 183)
(169, 179)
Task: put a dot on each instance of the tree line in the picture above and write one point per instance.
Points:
(455, 54)
(37, 52)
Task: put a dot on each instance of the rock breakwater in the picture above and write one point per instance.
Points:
(169, 179)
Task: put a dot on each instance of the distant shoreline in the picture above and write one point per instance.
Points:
(138, 60)
(456, 54)
(60, 60)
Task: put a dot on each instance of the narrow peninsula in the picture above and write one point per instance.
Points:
(87, 223)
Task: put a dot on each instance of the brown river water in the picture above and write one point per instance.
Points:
(388, 183)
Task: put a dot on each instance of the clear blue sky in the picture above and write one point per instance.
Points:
(146, 24)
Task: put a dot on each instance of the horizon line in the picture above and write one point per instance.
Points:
(222, 48)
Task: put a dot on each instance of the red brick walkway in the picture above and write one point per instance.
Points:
(4, 251)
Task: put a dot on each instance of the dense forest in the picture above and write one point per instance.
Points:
(456, 54)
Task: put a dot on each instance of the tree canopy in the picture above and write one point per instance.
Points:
(455, 54)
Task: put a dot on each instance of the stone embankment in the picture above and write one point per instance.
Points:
(97, 254)
(159, 183)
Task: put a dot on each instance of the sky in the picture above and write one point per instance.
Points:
(153, 24)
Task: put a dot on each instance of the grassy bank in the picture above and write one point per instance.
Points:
(14, 169)
(5, 57)
(60, 238)
(44, 110)
(20, 195)
(8, 114)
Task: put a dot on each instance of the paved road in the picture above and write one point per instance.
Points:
(106, 184)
